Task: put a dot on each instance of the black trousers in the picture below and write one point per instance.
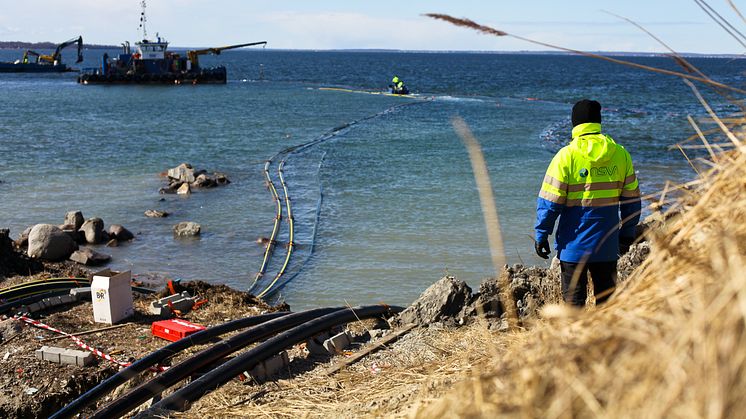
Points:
(604, 281)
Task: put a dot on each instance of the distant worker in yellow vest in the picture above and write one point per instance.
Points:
(397, 86)
(588, 185)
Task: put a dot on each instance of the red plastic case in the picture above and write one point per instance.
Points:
(174, 329)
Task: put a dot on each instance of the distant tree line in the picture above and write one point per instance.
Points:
(45, 45)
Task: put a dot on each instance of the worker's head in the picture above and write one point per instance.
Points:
(586, 111)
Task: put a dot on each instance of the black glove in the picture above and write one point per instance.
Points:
(625, 243)
(542, 249)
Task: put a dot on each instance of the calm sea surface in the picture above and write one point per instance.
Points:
(382, 208)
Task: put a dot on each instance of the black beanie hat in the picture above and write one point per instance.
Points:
(586, 111)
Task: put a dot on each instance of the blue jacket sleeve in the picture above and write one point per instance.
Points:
(629, 209)
(546, 214)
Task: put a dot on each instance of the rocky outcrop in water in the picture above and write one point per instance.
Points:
(183, 178)
(187, 229)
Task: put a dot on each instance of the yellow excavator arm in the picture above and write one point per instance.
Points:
(56, 55)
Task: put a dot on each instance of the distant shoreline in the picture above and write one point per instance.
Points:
(46, 45)
(15, 45)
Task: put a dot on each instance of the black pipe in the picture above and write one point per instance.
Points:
(4, 308)
(153, 358)
(176, 373)
(181, 399)
(33, 288)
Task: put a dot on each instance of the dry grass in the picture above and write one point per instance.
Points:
(670, 344)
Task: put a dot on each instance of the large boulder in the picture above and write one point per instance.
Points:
(74, 218)
(93, 229)
(119, 233)
(49, 242)
(183, 172)
(187, 229)
(89, 257)
(442, 302)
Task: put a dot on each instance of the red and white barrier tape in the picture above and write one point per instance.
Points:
(82, 344)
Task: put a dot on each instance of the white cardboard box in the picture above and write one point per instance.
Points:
(111, 294)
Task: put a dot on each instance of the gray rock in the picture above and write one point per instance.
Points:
(89, 257)
(22, 240)
(442, 301)
(171, 188)
(120, 233)
(49, 242)
(204, 181)
(93, 229)
(156, 213)
(221, 179)
(74, 218)
(183, 172)
(187, 229)
(73, 232)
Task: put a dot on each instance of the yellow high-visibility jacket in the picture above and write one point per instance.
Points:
(587, 185)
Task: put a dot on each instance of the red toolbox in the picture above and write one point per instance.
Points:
(174, 329)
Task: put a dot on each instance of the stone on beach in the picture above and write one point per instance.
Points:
(187, 229)
(441, 302)
(93, 229)
(89, 257)
(184, 189)
(74, 218)
(183, 172)
(49, 242)
(156, 213)
(119, 233)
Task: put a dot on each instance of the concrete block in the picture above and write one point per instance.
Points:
(315, 345)
(270, 367)
(337, 343)
(82, 293)
(49, 353)
(73, 357)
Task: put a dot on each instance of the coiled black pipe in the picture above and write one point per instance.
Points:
(5, 308)
(181, 399)
(176, 373)
(158, 356)
(26, 289)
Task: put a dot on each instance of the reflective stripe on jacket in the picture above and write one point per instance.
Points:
(588, 183)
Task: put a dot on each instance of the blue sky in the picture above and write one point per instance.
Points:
(330, 24)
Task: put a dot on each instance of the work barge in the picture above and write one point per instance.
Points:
(152, 63)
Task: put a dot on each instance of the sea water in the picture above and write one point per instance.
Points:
(382, 208)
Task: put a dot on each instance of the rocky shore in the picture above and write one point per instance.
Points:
(449, 304)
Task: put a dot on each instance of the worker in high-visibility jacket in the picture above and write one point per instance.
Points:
(397, 85)
(588, 184)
